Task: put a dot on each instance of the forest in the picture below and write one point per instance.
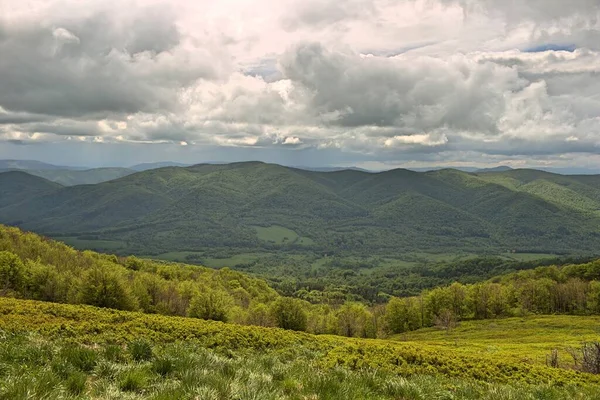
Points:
(32, 267)
(254, 207)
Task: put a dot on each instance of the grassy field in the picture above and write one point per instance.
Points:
(57, 351)
(528, 339)
(36, 368)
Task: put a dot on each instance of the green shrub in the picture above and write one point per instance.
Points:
(210, 304)
(11, 271)
(102, 287)
(289, 314)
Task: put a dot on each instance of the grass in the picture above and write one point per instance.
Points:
(189, 371)
(528, 339)
(244, 258)
(138, 335)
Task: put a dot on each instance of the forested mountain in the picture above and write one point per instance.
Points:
(72, 177)
(155, 165)
(233, 205)
(31, 165)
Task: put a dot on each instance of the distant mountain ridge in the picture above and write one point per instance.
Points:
(241, 205)
(155, 165)
(32, 165)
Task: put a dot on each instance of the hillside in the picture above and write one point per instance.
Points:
(18, 186)
(31, 165)
(143, 329)
(70, 177)
(53, 351)
(238, 206)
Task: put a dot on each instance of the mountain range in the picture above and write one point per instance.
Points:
(244, 205)
(71, 176)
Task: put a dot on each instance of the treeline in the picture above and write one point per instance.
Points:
(570, 289)
(374, 280)
(32, 267)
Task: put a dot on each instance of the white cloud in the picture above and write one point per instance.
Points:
(383, 79)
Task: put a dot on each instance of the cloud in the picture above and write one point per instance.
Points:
(100, 63)
(365, 80)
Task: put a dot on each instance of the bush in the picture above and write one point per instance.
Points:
(11, 271)
(210, 304)
(588, 358)
(102, 287)
(289, 314)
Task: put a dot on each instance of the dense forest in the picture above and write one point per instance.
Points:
(256, 207)
(36, 268)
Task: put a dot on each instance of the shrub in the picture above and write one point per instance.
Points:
(11, 271)
(289, 314)
(102, 287)
(210, 304)
(588, 358)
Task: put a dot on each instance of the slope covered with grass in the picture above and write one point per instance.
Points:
(89, 325)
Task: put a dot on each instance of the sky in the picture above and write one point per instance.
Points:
(369, 83)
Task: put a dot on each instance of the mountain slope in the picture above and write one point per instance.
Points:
(211, 205)
(17, 186)
(70, 177)
(31, 164)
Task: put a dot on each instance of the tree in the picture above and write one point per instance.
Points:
(258, 314)
(446, 320)
(11, 271)
(289, 314)
(210, 304)
(102, 287)
(403, 315)
(354, 320)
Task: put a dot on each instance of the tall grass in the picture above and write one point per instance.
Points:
(33, 368)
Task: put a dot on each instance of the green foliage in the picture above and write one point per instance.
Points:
(103, 287)
(140, 350)
(11, 271)
(544, 290)
(81, 358)
(133, 380)
(58, 321)
(197, 372)
(210, 304)
(240, 205)
(289, 314)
